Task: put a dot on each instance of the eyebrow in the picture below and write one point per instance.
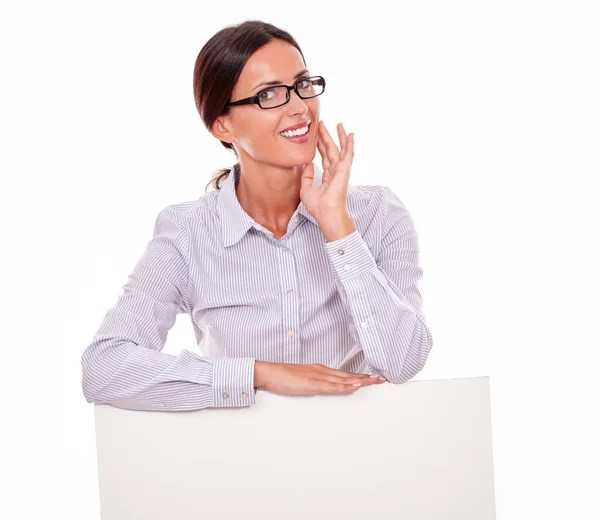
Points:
(277, 82)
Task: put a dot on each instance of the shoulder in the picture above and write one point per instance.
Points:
(374, 203)
(190, 213)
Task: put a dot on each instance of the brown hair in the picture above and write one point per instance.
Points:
(218, 67)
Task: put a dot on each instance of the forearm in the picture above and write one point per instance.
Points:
(121, 373)
(389, 323)
(261, 373)
(127, 375)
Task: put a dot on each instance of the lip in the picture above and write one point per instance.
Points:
(299, 125)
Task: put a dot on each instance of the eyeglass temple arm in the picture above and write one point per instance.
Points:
(247, 101)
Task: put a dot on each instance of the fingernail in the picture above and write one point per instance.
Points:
(382, 378)
(373, 376)
(356, 384)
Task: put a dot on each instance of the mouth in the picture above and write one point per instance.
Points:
(292, 136)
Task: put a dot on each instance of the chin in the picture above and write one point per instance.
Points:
(301, 158)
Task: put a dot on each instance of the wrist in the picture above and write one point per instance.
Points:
(336, 229)
(260, 369)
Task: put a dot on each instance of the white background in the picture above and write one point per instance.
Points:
(482, 116)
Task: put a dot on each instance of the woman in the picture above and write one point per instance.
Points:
(295, 281)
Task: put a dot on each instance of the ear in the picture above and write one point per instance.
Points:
(221, 129)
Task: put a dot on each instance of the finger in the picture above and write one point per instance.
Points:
(337, 388)
(332, 149)
(348, 154)
(347, 380)
(342, 138)
(344, 373)
(308, 175)
(342, 387)
(365, 379)
(326, 177)
(323, 152)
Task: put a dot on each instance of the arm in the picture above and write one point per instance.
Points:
(124, 365)
(382, 294)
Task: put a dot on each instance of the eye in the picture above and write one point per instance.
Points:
(266, 95)
(304, 83)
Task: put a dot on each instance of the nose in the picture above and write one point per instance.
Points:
(296, 104)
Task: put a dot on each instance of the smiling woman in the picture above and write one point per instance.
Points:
(295, 281)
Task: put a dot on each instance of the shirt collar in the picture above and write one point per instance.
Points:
(235, 222)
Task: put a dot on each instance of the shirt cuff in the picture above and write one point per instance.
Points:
(233, 382)
(349, 256)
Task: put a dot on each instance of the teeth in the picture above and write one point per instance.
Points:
(292, 133)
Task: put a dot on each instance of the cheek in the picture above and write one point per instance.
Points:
(265, 131)
(315, 109)
(260, 134)
(260, 129)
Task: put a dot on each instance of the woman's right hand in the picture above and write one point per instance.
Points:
(300, 379)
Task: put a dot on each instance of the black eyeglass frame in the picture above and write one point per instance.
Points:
(254, 99)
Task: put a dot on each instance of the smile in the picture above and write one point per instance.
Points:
(298, 136)
(295, 133)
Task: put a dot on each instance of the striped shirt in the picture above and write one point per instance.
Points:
(351, 304)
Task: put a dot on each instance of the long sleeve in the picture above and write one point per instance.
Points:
(124, 365)
(382, 294)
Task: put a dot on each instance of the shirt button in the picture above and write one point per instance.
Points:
(364, 324)
(341, 251)
(225, 395)
(290, 290)
(161, 405)
(347, 267)
(245, 395)
(290, 332)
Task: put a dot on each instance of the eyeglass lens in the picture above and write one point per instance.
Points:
(278, 95)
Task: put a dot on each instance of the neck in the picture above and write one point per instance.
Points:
(269, 194)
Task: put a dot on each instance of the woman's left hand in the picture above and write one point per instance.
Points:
(329, 198)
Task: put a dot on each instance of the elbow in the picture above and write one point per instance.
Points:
(92, 372)
(400, 371)
(99, 362)
(409, 369)
(90, 388)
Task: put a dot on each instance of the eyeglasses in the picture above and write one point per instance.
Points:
(278, 95)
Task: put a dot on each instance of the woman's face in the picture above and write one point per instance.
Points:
(255, 131)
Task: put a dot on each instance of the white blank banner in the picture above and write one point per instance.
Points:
(415, 451)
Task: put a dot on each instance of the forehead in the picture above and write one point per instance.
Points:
(276, 60)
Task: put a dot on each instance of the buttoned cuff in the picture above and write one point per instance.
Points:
(349, 256)
(233, 382)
